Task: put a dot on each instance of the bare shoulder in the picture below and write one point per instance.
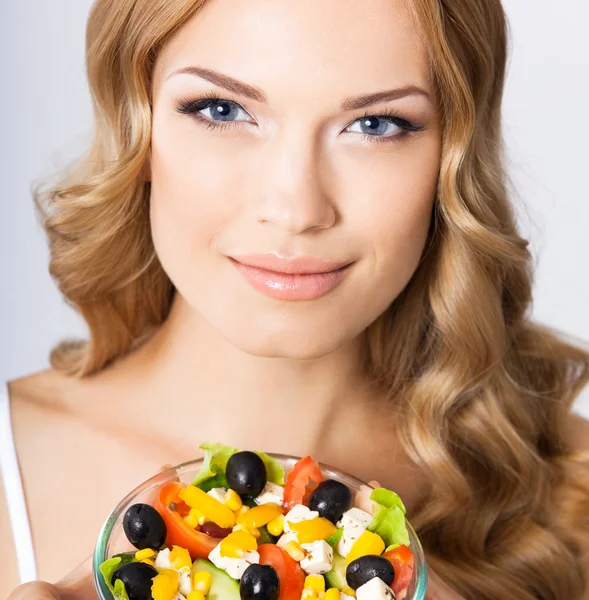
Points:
(29, 396)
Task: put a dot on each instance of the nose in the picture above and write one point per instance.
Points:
(294, 196)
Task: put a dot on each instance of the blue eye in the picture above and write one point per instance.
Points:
(387, 127)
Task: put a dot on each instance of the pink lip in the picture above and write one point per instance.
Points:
(304, 278)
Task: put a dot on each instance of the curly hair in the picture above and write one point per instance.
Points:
(482, 393)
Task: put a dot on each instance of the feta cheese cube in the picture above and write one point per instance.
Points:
(234, 567)
(355, 517)
(375, 589)
(289, 536)
(354, 521)
(218, 494)
(162, 560)
(319, 557)
(185, 584)
(271, 493)
(298, 513)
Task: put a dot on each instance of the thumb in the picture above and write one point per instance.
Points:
(35, 590)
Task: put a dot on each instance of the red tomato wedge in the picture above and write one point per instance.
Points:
(198, 544)
(300, 483)
(290, 574)
(402, 560)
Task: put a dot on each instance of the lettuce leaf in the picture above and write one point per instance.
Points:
(108, 568)
(215, 461)
(387, 498)
(274, 470)
(388, 520)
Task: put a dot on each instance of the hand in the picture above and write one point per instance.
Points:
(436, 588)
(78, 585)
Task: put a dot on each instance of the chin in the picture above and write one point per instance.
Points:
(285, 337)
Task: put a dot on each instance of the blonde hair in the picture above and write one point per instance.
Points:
(482, 392)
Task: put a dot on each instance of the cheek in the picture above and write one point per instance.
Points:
(395, 217)
(192, 194)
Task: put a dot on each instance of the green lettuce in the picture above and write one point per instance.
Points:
(215, 462)
(274, 470)
(388, 520)
(108, 568)
(387, 498)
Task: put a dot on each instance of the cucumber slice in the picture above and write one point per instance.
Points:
(223, 587)
(337, 576)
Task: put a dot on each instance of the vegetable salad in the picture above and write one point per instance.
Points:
(243, 530)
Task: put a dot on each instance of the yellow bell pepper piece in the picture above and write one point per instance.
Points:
(165, 585)
(313, 530)
(180, 557)
(238, 542)
(367, 543)
(210, 507)
(259, 515)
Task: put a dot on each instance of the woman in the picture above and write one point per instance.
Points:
(292, 233)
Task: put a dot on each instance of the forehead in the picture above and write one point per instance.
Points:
(287, 47)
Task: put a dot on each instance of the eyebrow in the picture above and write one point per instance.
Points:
(249, 91)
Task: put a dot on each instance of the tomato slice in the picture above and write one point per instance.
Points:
(198, 544)
(304, 477)
(403, 561)
(290, 574)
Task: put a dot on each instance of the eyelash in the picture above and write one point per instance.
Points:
(192, 107)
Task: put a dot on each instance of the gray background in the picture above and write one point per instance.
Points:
(45, 119)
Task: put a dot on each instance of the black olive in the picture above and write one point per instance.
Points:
(246, 473)
(331, 499)
(259, 582)
(144, 527)
(367, 567)
(137, 577)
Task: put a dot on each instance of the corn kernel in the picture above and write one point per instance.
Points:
(255, 532)
(242, 510)
(348, 591)
(309, 594)
(201, 581)
(196, 595)
(276, 526)
(332, 594)
(232, 500)
(149, 561)
(321, 595)
(294, 551)
(147, 553)
(315, 582)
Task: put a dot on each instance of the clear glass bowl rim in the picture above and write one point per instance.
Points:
(174, 471)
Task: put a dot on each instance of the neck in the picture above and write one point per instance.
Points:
(190, 369)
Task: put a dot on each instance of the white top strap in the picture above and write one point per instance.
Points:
(15, 496)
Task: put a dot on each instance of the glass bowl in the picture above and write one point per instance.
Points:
(112, 539)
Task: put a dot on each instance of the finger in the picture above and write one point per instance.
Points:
(166, 467)
(36, 590)
(374, 483)
(79, 584)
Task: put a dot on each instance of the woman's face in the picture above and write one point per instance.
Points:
(297, 167)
